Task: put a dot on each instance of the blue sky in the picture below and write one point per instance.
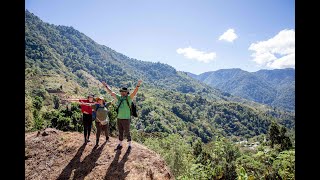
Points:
(191, 35)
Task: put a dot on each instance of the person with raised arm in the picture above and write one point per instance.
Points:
(86, 115)
(124, 112)
(102, 118)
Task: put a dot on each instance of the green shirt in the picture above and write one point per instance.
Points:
(102, 112)
(124, 109)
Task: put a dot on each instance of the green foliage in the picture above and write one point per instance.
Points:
(175, 151)
(38, 121)
(183, 112)
(69, 119)
(56, 102)
(28, 114)
(225, 153)
(40, 93)
(215, 160)
(279, 136)
(285, 164)
(274, 134)
(197, 148)
(113, 119)
(141, 137)
(64, 123)
(250, 164)
(65, 119)
(37, 103)
(76, 90)
(268, 163)
(285, 141)
(196, 171)
(241, 172)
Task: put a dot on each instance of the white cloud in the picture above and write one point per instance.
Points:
(277, 52)
(200, 56)
(229, 35)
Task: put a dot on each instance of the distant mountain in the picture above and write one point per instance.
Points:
(192, 75)
(271, 87)
(277, 76)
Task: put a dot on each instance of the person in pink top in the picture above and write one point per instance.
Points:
(86, 115)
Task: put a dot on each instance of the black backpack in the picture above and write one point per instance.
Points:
(133, 108)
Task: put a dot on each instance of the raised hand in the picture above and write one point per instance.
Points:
(106, 86)
(70, 100)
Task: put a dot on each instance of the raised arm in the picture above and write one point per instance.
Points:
(135, 90)
(113, 94)
(72, 100)
(110, 102)
(115, 99)
(87, 104)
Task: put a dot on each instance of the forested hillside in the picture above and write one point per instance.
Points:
(62, 62)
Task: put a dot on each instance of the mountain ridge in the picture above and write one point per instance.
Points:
(270, 87)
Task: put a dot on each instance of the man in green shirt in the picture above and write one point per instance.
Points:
(124, 113)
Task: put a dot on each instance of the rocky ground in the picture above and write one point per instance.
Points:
(53, 154)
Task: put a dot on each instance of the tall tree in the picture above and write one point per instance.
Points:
(274, 133)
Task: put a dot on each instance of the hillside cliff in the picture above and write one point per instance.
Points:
(54, 154)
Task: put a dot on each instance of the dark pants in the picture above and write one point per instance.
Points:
(87, 123)
(100, 128)
(124, 128)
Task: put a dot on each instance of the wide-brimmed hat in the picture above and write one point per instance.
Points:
(123, 89)
(100, 97)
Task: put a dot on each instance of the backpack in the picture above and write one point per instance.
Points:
(103, 122)
(133, 108)
(94, 113)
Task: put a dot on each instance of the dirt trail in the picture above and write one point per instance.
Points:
(53, 154)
